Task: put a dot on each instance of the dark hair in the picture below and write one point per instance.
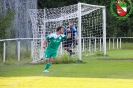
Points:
(58, 28)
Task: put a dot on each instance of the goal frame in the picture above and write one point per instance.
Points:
(79, 12)
(104, 27)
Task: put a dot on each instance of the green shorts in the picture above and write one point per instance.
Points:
(49, 55)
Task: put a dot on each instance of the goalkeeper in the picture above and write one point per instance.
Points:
(74, 36)
(54, 40)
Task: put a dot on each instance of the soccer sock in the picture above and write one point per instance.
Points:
(70, 51)
(47, 65)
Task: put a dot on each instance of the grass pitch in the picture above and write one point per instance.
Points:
(112, 71)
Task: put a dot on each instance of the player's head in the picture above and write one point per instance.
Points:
(59, 29)
(70, 23)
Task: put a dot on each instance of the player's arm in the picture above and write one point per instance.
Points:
(46, 40)
(68, 33)
(44, 43)
(67, 36)
(66, 30)
(76, 34)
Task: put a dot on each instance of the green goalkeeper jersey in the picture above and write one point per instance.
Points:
(54, 42)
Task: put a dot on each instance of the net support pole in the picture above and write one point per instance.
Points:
(100, 45)
(120, 43)
(90, 44)
(79, 26)
(18, 50)
(109, 43)
(104, 30)
(32, 48)
(95, 45)
(83, 45)
(117, 43)
(113, 43)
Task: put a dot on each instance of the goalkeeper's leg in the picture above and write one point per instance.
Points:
(70, 51)
(69, 48)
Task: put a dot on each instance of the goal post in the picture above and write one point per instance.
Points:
(89, 20)
(79, 25)
(103, 26)
(104, 30)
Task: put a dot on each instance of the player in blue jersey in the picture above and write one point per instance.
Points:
(74, 36)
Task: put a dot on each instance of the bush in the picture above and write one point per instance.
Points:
(65, 59)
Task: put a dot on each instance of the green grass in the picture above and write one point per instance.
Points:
(117, 64)
(124, 45)
(123, 53)
(90, 69)
(96, 71)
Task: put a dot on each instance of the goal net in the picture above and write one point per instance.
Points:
(89, 20)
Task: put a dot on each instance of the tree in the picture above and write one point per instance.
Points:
(5, 24)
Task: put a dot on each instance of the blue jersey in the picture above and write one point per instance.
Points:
(73, 31)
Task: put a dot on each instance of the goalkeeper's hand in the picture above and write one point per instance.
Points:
(68, 30)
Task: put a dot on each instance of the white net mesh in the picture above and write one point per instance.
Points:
(45, 21)
(92, 29)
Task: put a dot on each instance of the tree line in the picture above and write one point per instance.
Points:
(114, 26)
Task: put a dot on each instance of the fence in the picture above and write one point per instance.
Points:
(17, 45)
(117, 42)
